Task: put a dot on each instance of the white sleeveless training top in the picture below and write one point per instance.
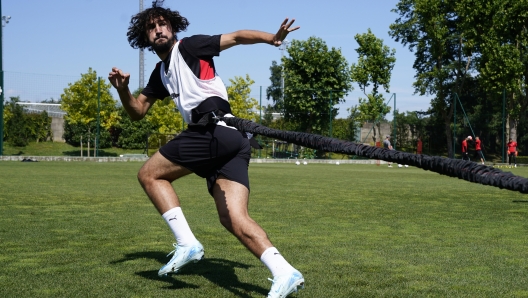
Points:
(185, 88)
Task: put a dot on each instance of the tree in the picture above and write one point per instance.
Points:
(242, 105)
(164, 117)
(274, 91)
(497, 30)
(52, 100)
(433, 30)
(133, 134)
(316, 79)
(374, 66)
(39, 126)
(80, 102)
(21, 128)
(17, 128)
(75, 132)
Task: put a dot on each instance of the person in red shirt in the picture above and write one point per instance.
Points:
(512, 152)
(465, 154)
(419, 146)
(478, 150)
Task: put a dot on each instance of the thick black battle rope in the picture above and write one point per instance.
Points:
(462, 169)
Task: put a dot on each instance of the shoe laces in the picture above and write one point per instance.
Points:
(175, 249)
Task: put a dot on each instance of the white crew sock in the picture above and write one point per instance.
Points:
(276, 262)
(179, 226)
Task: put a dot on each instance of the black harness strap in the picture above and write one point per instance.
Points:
(210, 110)
(203, 113)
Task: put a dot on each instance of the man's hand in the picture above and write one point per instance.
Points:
(118, 79)
(284, 30)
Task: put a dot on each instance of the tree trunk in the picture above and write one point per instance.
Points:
(88, 142)
(449, 136)
(379, 132)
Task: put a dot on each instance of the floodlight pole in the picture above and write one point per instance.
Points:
(2, 88)
(394, 123)
(260, 118)
(97, 140)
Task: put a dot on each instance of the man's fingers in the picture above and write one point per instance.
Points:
(288, 25)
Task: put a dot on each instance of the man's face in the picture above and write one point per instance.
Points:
(160, 35)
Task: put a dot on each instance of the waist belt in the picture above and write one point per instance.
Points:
(213, 106)
(207, 111)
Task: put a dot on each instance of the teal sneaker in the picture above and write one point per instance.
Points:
(183, 255)
(284, 285)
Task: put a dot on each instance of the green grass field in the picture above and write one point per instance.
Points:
(82, 229)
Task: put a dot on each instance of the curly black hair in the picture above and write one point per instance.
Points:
(137, 31)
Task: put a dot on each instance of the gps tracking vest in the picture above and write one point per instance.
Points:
(188, 91)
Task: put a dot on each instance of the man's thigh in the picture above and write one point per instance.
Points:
(231, 198)
(159, 167)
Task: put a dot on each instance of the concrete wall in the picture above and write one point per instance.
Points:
(367, 133)
(57, 128)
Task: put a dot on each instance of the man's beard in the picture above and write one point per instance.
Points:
(163, 47)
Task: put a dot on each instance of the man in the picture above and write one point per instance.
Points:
(419, 146)
(512, 152)
(387, 145)
(478, 150)
(211, 150)
(465, 153)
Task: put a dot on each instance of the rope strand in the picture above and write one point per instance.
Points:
(462, 169)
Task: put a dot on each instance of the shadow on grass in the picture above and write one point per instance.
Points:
(102, 153)
(218, 271)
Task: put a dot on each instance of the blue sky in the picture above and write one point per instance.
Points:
(63, 38)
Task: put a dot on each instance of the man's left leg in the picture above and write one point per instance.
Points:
(155, 177)
(231, 200)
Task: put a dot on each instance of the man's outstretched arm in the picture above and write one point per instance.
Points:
(253, 36)
(135, 107)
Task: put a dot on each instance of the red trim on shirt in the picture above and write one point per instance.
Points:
(206, 70)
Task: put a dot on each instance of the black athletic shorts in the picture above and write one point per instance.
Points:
(210, 151)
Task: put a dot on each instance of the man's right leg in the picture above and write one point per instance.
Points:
(155, 177)
(231, 200)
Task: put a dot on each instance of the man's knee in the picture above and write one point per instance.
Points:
(143, 176)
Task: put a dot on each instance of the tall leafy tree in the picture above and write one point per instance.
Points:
(21, 127)
(133, 134)
(374, 68)
(17, 128)
(162, 120)
(239, 93)
(274, 91)
(80, 102)
(165, 117)
(8, 113)
(497, 30)
(316, 79)
(432, 29)
(40, 126)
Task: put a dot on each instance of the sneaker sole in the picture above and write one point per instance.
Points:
(295, 287)
(175, 270)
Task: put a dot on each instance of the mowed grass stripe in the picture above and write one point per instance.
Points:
(87, 229)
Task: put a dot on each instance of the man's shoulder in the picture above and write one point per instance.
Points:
(197, 38)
